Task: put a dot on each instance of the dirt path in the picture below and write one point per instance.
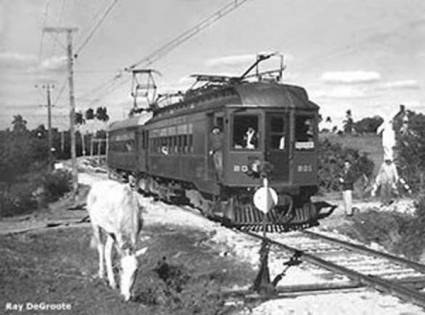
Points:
(61, 214)
(64, 213)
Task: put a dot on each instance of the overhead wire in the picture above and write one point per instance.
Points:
(61, 90)
(208, 21)
(177, 41)
(59, 22)
(45, 16)
(97, 25)
(354, 48)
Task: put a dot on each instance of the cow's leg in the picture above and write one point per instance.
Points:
(100, 250)
(108, 257)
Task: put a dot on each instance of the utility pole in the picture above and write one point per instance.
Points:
(49, 123)
(69, 31)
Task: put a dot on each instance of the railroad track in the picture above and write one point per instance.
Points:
(347, 266)
(350, 265)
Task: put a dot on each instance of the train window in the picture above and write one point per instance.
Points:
(219, 122)
(129, 146)
(164, 146)
(304, 132)
(174, 144)
(190, 143)
(185, 144)
(145, 140)
(169, 142)
(277, 124)
(277, 133)
(245, 132)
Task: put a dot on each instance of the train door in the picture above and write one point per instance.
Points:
(215, 144)
(278, 144)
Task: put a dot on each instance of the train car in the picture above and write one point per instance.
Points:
(214, 147)
(126, 147)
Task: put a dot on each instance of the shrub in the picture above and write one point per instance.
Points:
(410, 150)
(384, 228)
(56, 184)
(397, 232)
(16, 203)
(331, 162)
(413, 233)
(176, 292)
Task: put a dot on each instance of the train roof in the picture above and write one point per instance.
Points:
(250, 94)
(274, 95)
(264, 94)
(129, 122)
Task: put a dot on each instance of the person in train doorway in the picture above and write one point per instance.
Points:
(386, 179)
(216, 141)
(250, 139)
(347, 180)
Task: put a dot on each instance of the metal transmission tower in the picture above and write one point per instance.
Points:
(69, 31)
(111, 85)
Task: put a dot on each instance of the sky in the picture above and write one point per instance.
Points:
(367, 56)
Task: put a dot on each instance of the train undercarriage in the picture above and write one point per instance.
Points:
(234, 206)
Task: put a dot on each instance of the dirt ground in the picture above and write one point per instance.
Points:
(46, 257)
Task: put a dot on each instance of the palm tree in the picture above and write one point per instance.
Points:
(19, 124)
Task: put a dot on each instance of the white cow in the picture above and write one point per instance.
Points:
(114, 209)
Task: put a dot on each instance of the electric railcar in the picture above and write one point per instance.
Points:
(265, 129)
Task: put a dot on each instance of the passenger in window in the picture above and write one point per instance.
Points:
(250, 139)
(309, 129)
(164, 150)
(282, 143)
(216, 141)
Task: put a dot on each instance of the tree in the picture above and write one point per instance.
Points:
(410, 150)
(368, 124)
(90, 114)
(101, 114)
(19, 125)
(39, 132)
(348, 122)
(79, 118)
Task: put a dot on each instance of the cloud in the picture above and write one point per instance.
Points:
(187, 79)
(341, 92)
(29, 63)
(241, 60)
(350, 77)
(402, 84)
(52, 64)
(232, 61)
(14, 60)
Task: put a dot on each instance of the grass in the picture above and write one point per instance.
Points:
(58, 266)
(397, 232)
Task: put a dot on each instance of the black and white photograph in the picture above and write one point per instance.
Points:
(212, 157)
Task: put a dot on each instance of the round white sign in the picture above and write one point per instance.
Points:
(265, 199)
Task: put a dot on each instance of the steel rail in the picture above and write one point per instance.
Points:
(322, 288)
(368, 251)
(390, 287)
